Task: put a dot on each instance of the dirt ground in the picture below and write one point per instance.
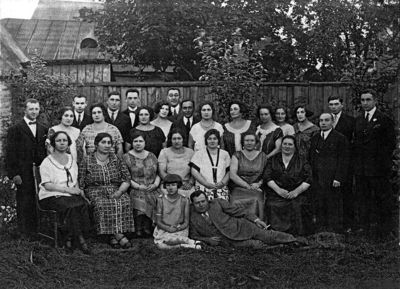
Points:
(351, 263)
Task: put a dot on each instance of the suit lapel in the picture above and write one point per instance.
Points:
(25, 128)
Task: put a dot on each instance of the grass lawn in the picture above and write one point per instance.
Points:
(354, 263)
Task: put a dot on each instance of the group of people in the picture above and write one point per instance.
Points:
(186, 179)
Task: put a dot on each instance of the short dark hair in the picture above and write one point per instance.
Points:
(101, 106)
(148, 108)
(212, 131)
(30, 100)
(160, 104)
(265, 106)
(57, 133)
(292, 138)
(80, 96)
(171, 179)
(207, 103)
(174, 88)
(369, 91)
(114, 92)
(132, 90)
(100, 136)
(334, 97)
(172, 132)
(63, 110)
(284, 109)
(190, 100)
(137, 133)
(196, 194)
(249, 133)
(243, 108)
(309, 113)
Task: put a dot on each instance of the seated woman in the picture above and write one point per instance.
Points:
(162, 110)
(246, 172)
(207, 122)
(269, 133)
(288, 176)
(234, 130)
(175, 159)
(105, 179)
(154, 135)
(66, 119)
(210, 167)
(172, 217)
(144, 181)
(59, 191)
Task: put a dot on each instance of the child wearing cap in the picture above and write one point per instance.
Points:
(172, 217)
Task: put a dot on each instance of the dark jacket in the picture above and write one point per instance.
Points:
(374, 142)
(329, 158)
(180, 124)
(136, 122)
(122, 122)
(231, 221)
(345, 126)
(87, 119)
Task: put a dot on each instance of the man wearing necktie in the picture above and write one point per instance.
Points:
(133, 102)
(186, 120)
(344, 124)
(329, 155)
(217, 222)
(81, 119)
(174, 98)
(374, 142)
(115, 117)
(25, 146)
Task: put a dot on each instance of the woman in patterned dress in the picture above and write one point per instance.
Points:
(304, 130)
(246, 173)
(144, 181)
(105, 180)
(234, 130)
(85, 141)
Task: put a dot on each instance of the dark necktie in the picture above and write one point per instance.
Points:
(113, 116)
(79, 119)
(367, 116)
(188, 124)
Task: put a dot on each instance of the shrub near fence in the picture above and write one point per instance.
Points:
(314, 94)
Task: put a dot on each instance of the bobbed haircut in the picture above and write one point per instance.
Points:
(171, 133)
(207, 103)
(243, 108)
(137, 133)
(171, 179)
(56, 134)
(266, 106)
(149, 110)
(309, 113)
(63, 110)
(100, 136)
(212, 131)
(101, 106)
(160, 104)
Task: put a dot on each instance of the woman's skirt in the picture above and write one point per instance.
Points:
(73, 213)
(252, 200)
(112, 215)
(166, 240)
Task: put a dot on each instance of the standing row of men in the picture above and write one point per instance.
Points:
(371, 136)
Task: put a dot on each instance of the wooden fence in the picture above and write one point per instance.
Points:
(314, 94)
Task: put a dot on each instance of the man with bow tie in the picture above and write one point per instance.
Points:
(133, 101)
(186, 120)
(25, 146)
(374, 142)
(329, 156)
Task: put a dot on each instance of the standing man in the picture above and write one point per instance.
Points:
(25, 146)
(81, 119)
(344, 124)
(186, 120)
(174, 98)
(133, 102)
(374, 142)
(115, 117)
(329, 155)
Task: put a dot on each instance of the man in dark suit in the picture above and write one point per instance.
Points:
(81, 119)
(217, 222)
(329, 155)
(174, 99)
(133, 101)
(117, 118)
(374, 142)
(344, 124)
(186, 120)
(25, 146)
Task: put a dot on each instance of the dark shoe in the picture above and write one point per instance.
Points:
(124, 243)
(139, 234)
(147, 232)
(85, 249)
(114, 243)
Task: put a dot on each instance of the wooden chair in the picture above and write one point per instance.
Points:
(48, 225)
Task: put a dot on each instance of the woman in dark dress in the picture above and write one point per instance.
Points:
(246, 172)
(155, 138)
(304, 130)
(288, 176)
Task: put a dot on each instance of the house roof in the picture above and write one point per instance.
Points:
(63, 10)
(53, 40)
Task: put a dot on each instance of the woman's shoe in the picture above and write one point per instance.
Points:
(124, 243)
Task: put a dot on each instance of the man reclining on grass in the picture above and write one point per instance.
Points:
(217, 222)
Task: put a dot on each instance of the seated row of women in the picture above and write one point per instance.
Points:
(124, 191)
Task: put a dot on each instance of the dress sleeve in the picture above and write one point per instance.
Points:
(196, 161)
(277, 134)
(227, 160)
(163, 158)
(117, 136)
(125, 176)
(45, 172)
(82, 172)
(307, 172)
(267, 176)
